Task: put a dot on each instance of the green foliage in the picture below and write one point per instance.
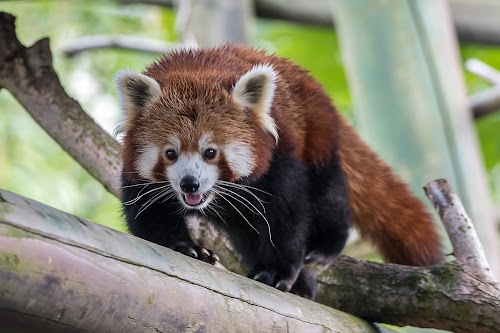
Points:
(34, 166)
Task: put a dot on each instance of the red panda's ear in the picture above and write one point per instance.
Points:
(255, 91)
(135, 91)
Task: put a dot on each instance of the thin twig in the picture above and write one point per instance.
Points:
(488, 100)
(141, 44)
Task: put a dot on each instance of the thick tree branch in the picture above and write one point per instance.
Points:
(86, 277)
(100, 265)
(454, 296)
(446, 296)
(28, 74)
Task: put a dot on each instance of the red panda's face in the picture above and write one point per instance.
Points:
(195, 135)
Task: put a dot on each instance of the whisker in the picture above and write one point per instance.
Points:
(236, 197)
(246, 186)
(209, 208)
(181, 210)
(139, 195)
(170, 196)
(152, 200)
(240, 187)
(243, 216)
(252, 205)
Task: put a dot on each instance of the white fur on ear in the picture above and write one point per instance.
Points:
(135, 91)
(255, 90)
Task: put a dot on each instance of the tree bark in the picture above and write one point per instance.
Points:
(28, 74)
(60, 270)
(62, 273)
(445, 297)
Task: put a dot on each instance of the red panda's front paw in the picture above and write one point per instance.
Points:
(198, 252)
(273, 279)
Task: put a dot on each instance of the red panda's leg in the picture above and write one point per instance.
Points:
(160, 223)
(279, 254)
(330, 213)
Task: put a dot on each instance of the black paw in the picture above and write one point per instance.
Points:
(305, 285)
(273, 278)
(198, 252)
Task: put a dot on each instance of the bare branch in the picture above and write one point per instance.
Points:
(28, 74)
(483, 70)
(467, 248)
(488, 100)
(142, 44)
(485, 102)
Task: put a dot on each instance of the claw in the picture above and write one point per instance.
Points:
(197, 252)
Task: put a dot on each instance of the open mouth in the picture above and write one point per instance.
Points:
(193, 199)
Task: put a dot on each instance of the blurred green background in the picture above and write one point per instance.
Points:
(33, 165)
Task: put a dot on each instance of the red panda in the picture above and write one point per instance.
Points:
(252, 143)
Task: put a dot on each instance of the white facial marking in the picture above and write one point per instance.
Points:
(148, 157)
(193, 165)
(239, 157)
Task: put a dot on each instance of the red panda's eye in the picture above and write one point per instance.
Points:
(171, 154)
(210, 153)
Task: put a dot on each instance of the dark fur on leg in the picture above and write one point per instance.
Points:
(160, 223)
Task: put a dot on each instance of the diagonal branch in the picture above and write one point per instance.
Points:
(487, 101)
(28, 74)
(134, 43)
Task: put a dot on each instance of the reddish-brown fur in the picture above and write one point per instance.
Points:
(382, 206)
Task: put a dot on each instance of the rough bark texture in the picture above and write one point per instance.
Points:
(28, 74)
(75, 273)
(447, 296)
(467, 248)
(62, 273)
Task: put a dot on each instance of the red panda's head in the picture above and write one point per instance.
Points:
(194, 133)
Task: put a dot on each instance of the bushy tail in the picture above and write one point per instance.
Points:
(383, 207)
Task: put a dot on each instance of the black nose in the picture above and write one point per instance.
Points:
(189, 184)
